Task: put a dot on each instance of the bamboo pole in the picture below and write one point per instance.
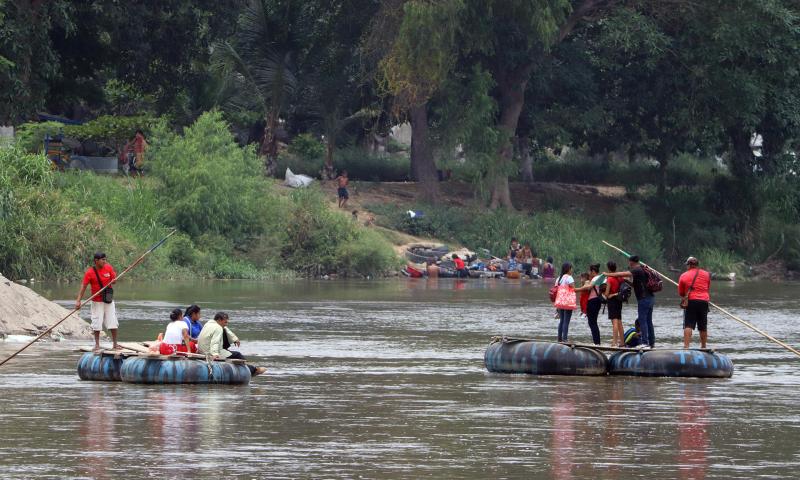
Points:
(130, 267)
(724, 311)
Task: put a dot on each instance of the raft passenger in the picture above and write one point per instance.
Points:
(614, 304)
(176, 337)
(645, 299)
(693, 287)
(212, 342)
(564, 315)
(548, 270)
(192, 319)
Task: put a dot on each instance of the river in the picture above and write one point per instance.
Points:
(385, 379)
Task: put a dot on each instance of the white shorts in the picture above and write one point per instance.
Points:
(104, 315)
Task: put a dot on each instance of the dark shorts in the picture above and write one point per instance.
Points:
(696, 315)
(614, 307)
(343, 193)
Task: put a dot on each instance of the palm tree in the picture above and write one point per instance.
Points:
(257, 67)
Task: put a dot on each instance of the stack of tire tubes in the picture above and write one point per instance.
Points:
(547, 358)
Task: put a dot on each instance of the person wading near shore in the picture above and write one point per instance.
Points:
(103, 309)
(645, 299)
(211, 342)
(693, 287)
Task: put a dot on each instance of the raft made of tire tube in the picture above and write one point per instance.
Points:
(174, 370)
(132, 367)
(543, 358)
(100, 367)
(671, 363)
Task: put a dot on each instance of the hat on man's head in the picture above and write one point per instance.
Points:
(692, 261)
(99, 255)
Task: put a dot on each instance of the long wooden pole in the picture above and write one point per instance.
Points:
(130, 267)
(746, 324)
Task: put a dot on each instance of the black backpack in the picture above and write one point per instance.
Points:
(625, 291)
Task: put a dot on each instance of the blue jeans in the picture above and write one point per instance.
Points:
(563, 324)
(645, 307)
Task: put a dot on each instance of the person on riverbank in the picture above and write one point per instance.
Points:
(526, 259)
(693, 287)
(176, 337)
(192, 319)
(431, 268)
(211, 342)
(548, 270)
(614, 306)
(565, 313)
(342, 182)
(139, 148)
(104, 312)
(514, 248)
(461, 268)
(645, 299)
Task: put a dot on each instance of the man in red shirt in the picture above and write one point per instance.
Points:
(694, 284)
(461, 269)
(103, 314)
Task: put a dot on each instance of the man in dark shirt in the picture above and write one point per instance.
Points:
(644, 298)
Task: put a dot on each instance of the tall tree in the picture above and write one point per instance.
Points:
(421, 55)
(259, 65)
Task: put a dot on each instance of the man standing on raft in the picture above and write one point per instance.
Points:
(644, 299)
(693, 287)
(103, 310)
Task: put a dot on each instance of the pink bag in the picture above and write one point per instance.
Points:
(566, 298)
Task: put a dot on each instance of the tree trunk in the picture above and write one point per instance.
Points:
(663, 163)
(269, 145)
(329, 172)
(512, 99)
(423, 168)
(526, 159)
(741, 157)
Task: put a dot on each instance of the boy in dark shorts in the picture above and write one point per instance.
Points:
(342, 181)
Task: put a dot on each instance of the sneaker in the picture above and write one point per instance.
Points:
(583, 316)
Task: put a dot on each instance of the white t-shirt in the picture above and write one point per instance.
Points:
(174, 333)
(565, 280)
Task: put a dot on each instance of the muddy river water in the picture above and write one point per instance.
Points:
(385, 379)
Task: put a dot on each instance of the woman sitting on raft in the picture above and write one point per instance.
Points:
(192, 319)
(176, 338)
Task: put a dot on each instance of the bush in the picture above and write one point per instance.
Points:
(109, 129)
(307, 147)
(208, 182)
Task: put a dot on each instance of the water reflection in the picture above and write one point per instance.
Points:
(562, 445)
(693, 442)
(98, 434)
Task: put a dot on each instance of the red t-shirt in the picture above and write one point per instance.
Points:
(107, 274)
(459, 263)
(613, 283)
(700, 287)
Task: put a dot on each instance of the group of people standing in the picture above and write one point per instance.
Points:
(611, 288)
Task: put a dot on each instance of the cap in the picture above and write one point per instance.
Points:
(692, 261)
(99, 255)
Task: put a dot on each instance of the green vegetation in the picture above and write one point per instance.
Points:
(666, 99)
(232, 223)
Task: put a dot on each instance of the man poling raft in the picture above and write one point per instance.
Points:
(94, 295)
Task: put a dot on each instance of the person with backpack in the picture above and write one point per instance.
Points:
(615, 294)
(645, 283)
(591, 290)
(693, 287)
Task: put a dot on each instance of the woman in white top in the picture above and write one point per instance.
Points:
(176, 338)
(564, 315)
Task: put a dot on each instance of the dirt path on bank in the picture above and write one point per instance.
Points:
(539, 196)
